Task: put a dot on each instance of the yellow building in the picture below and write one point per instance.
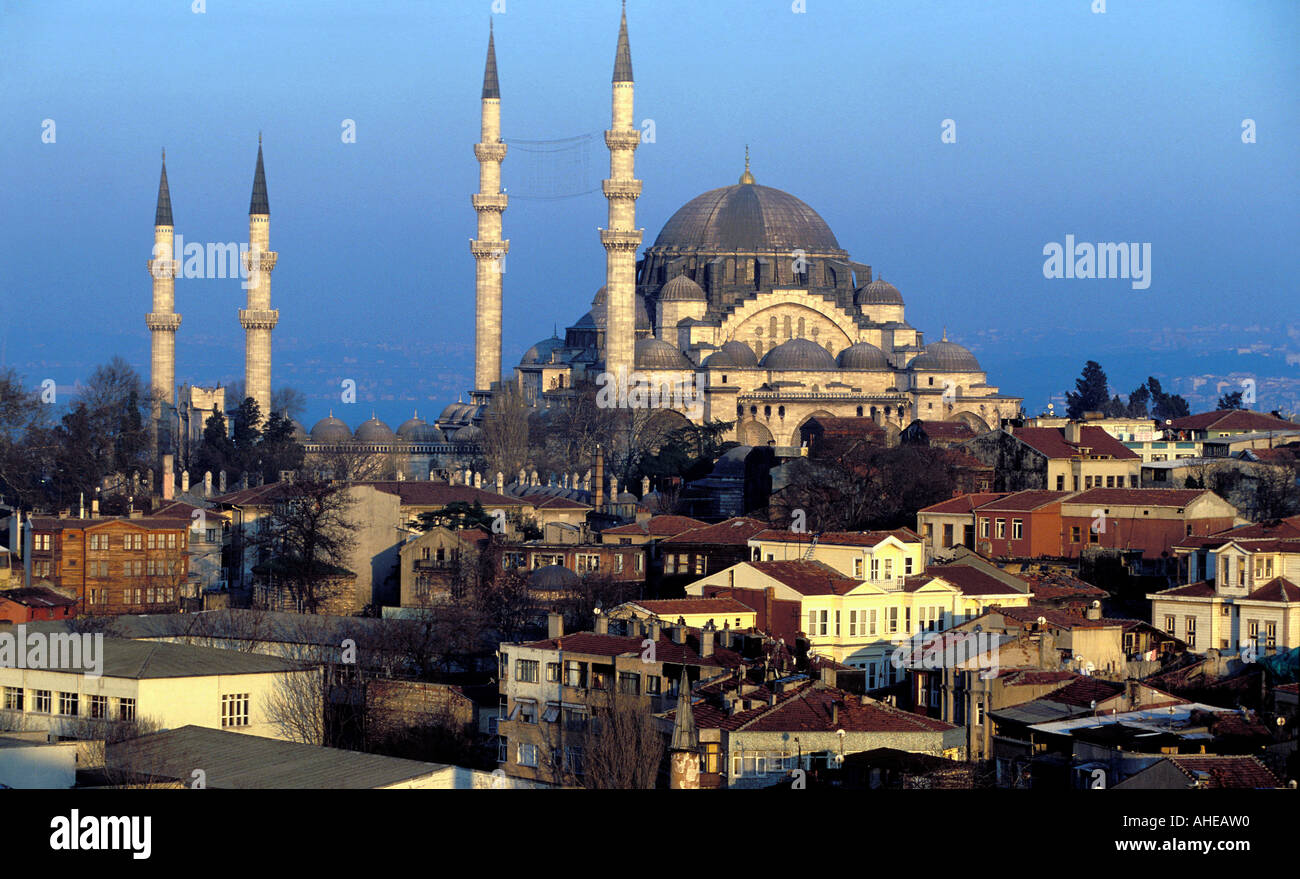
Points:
(880, 557)
(694, 613)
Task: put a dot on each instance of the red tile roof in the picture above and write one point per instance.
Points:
(946, 430)
(732, 532)
(147, 523)
(1050, 441)
(559, 503)
(675, 607)
(972, 581)
(1192, 590)
(1226, 772)
(37, 596)
(1241, 420)
(1139, 497)
(1055, 586)
(838, 538)
(964, 503)
(807, 577)
(1278, 589)
(1061, 619)
(658, 526)
(1081, 693)
(1024, 501)
(811, 712)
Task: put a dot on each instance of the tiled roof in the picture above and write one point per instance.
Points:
(972, 581)
(1019, 677)
(947, 430)
(1055, 586)
(1024, 501)
(807, 577)
(1278, 589)
(148, 659)
(1082, 692)
(258, 495)
(560, 503)
(838, 538)
(422, 493)
(1288, 527)
(1232, 419)
(1226, 772)
(1199, 589)
(147, 523)
(811, 712)
(1061, 619)
(37, 596)
(658, 526)
(1051, 442)
(1139, 497)
(666, 650)
(964, 503)
(732, 532)
(679, 606)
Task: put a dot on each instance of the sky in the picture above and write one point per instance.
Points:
(1122, 126)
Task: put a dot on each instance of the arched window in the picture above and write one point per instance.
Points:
(801, 328)
(753, 410)
(859, 411)
(780, 411)
(771, 328)
(787, 326)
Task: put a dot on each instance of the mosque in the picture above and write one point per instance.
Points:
(745, 295)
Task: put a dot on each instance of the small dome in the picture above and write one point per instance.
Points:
(374, 431)
(410, 425)
(945, 356)
(553, 577)
(657, 354)
(682, 289)
(299, 432)
(417, 430)
(467, 434)
(734, 355)
(601, 296)
(541, 352)
(331, 430)
(802, 354)
(592, 320)
(878, 292)
(863, 355)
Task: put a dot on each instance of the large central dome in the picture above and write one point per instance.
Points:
(746, 218)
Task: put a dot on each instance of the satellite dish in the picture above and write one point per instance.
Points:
(1042, 621)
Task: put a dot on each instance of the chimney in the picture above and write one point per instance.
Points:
(501, 482)
(1047, 656)
(1073, 432)
(678, 634)
(185, 481)
(168, 478)
(652, 629)
(706, 643)
(645, 485)
(835, 712)
(221, 481)
(1094, 611)
(602, 624)
(207, 483)
(94, 508)
(828, 676)
(555, 625)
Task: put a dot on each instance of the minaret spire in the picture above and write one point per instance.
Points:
(621, 238)
(162, 321)
(489, 248)
(259, 319)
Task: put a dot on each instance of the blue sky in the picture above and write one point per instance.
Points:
(1123, 126)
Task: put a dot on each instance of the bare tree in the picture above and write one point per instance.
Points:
(505, 431)
(621, 749)
(309, 541)
(296, 707)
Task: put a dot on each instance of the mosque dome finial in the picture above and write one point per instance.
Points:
(746, 177)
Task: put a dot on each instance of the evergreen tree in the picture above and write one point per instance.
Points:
(1137, 403)
(278, 448)
(1231, 401)
(217, 452)
(246, 433)
(1091, 393)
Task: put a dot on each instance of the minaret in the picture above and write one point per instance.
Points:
(684, 749)
(621, 239)
(259, 318)
(488, 248)
(163, 320)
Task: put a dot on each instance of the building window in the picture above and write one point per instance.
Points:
(527, 755)
(875, 569)
(1191, 632)
(527, 711)
(1075, 533)
(629, 683)
(575, 674)
(984, 527)
(871, 630)
(1171, 626)
(853, 623)
(68, 706)
(98, 707)
(126, 709)
(654, 684)
(1270, 634)
(13, 699)
(1017, 529)
(526, 671)
(857, 568)
(552, 672)
(893, 621)
(41, 701)
(234, 709)
(1000, 528)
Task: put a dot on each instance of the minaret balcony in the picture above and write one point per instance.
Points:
(165, 320)
(623, 139)
(621, 239)
(490, 152)
(626, 189)
(163, 268)
(489, 201)
(265, 260)
(489, 249)
(259, 319)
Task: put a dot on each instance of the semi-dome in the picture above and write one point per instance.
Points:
(601, 295)
(803, 354)
(747, 218)
(863, 355)
(682, 289)
(374, 431)
(331, 430)
(467, 434)
(596, 318)
(654, 353)
(878, 292)
(945, 356)
(541, 352)
(299, 432)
